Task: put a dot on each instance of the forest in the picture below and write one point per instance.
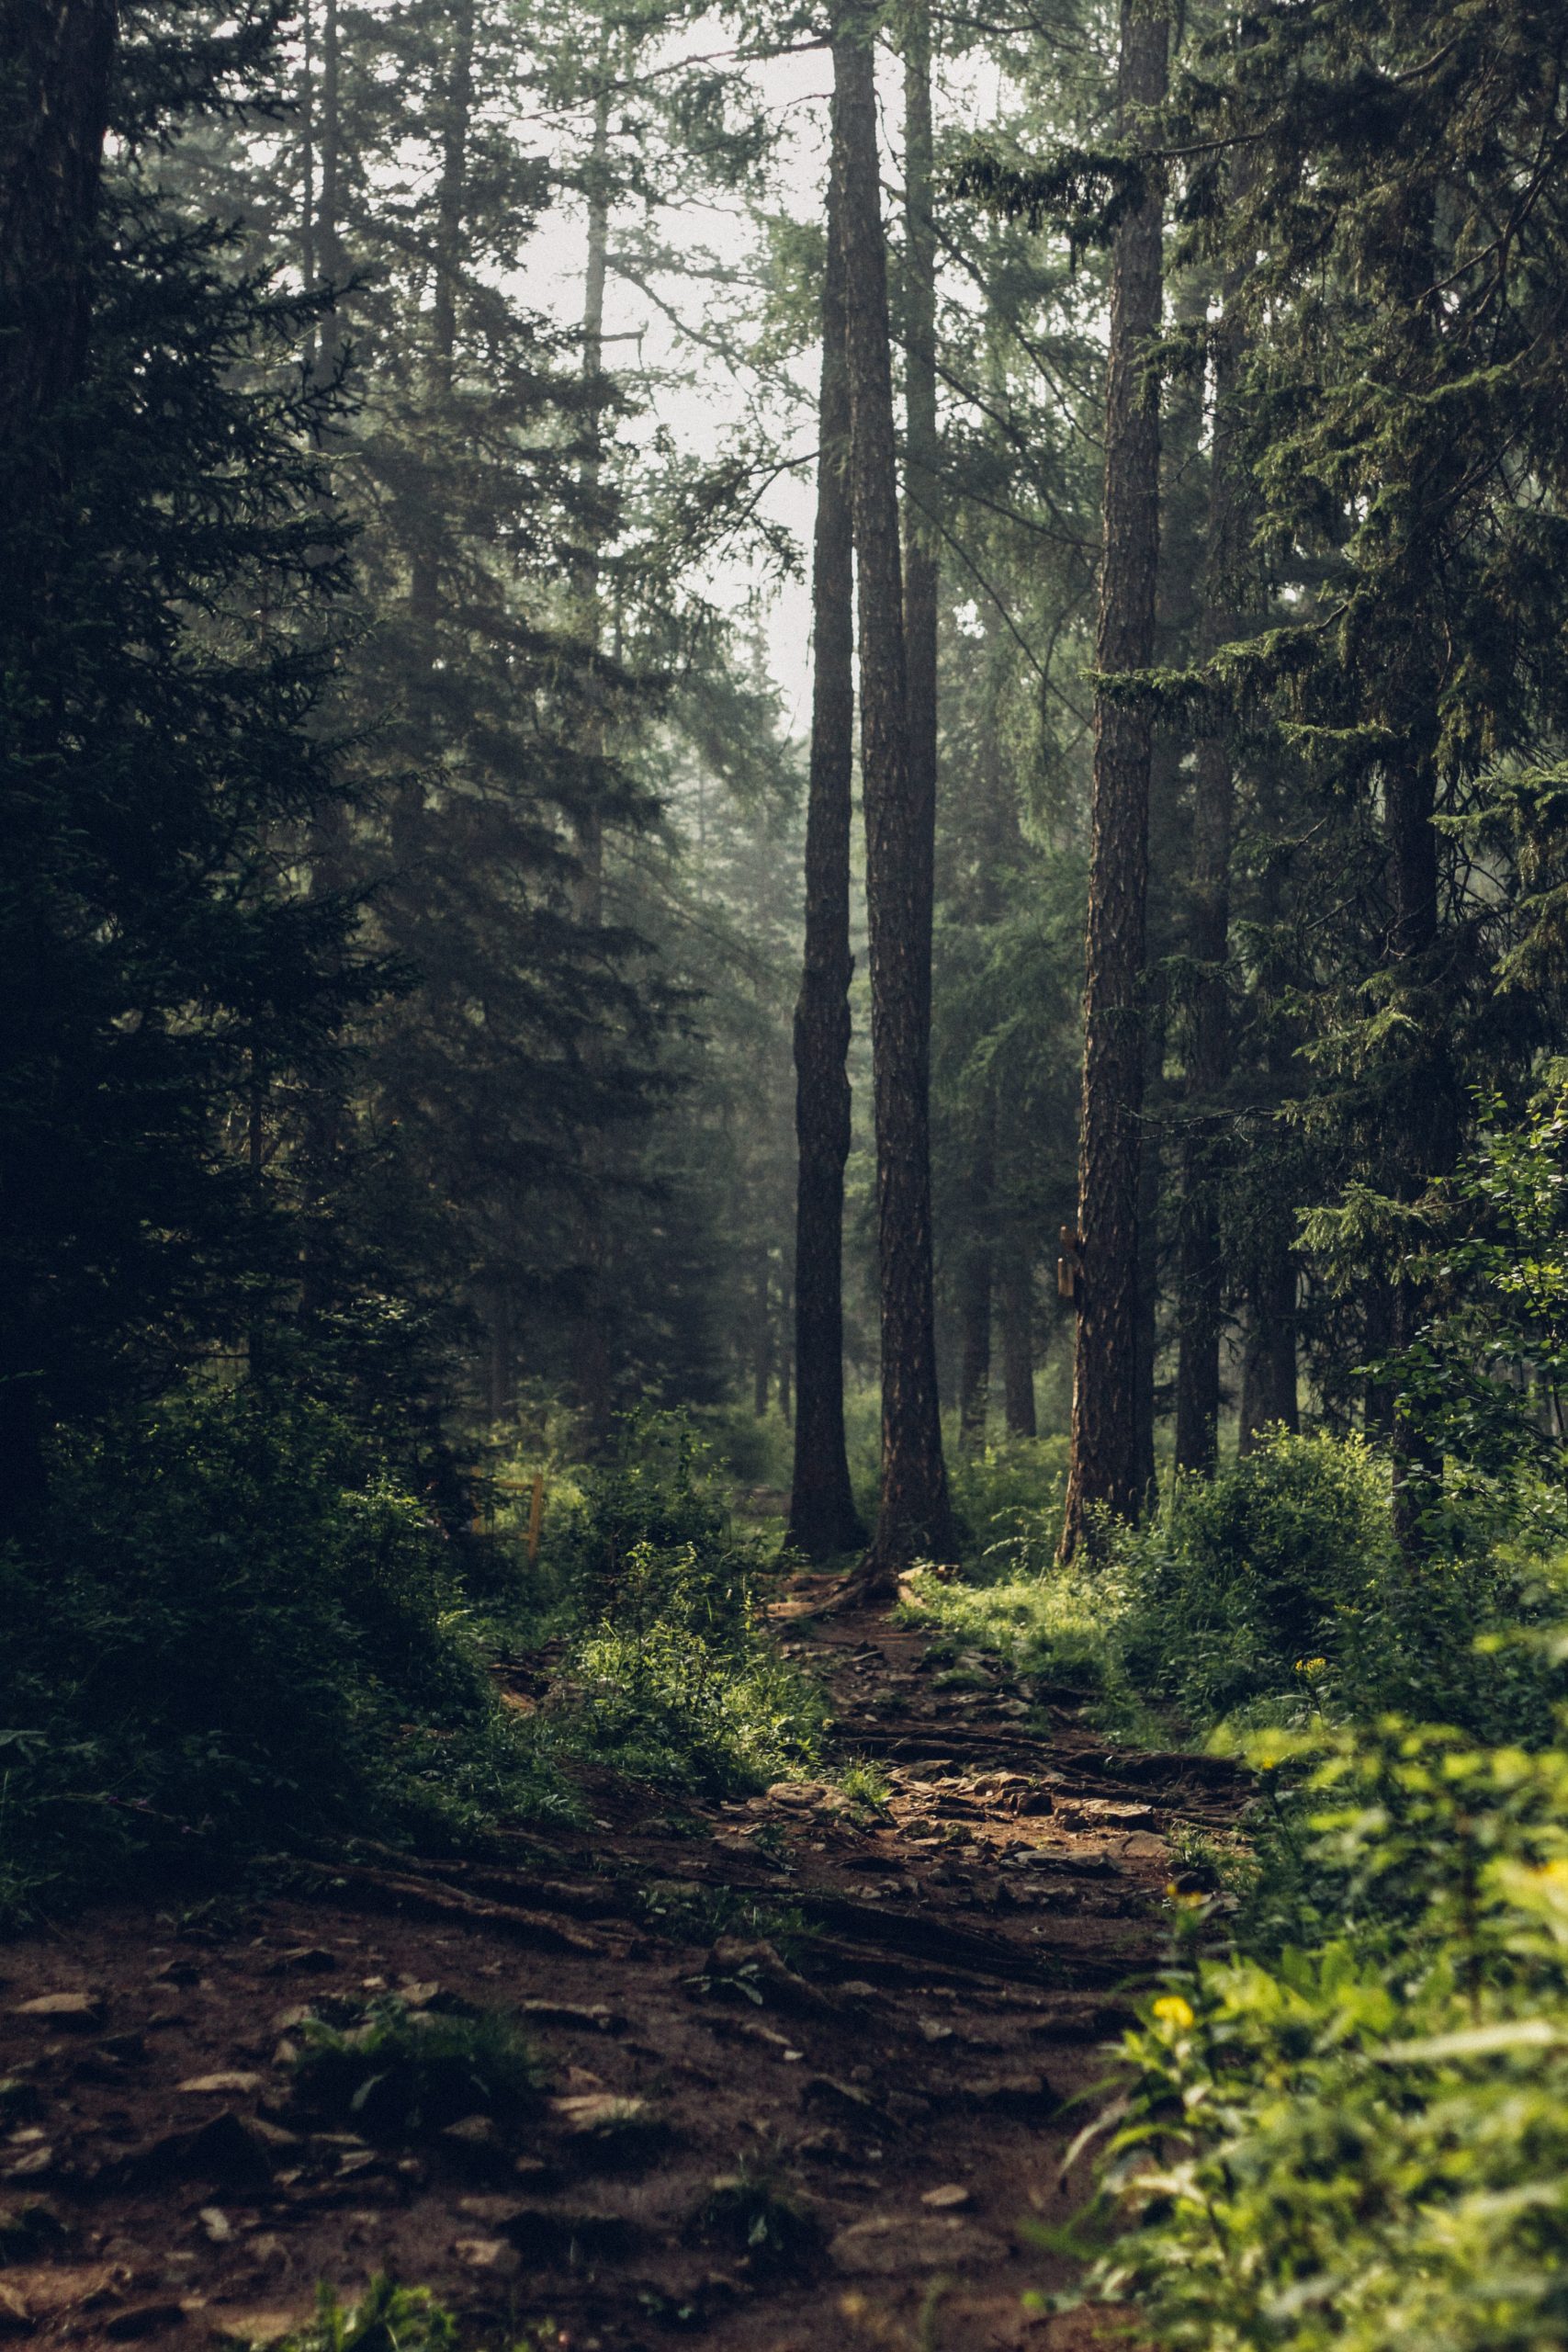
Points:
(783, 1174)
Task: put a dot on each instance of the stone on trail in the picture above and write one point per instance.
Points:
(803, 1794)
(76, 2012)
(230, 2150)
(1029, 2097)
(886, 2243)
(45, 2290)
(948, 2197)
(231, 2085)
(595, 2111)
(144, 2319)
(1102, 1812)
(257, 2329)
(492, 2256)
(597, 2019)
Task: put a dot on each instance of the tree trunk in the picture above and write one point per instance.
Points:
(915, 1518)
(1104, 1469)
(54, 102)
(1377, 1397)
(1268, 1366)
(1425, 1143)
(330, 841)
(762, 1334)
(975, 1278)
(920, 399)
(1146, 1327)
(450, 205)
(1018, 1340)
(1202, 1273)
(822, 1515)
(54, 94)
(594, 1363)
(500, 1369)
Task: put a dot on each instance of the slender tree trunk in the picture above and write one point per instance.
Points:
(1377, 1397)
(1017, 1317)
(54, 98)
(501, 1380)
(762, 1333)
(915, 1519)
(977, 1281)
(1427, 1143)
(1146, 1327)
(326, 1119)
(1202, 1271)
(822, 1515)
(921, 486)
(54, 95)
(1104, 1468)
(457, 106)
(1268, 1366)
(594, 1355)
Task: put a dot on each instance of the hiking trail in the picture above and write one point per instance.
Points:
(839, 2142)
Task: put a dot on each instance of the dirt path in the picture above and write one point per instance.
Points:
(882, 2115)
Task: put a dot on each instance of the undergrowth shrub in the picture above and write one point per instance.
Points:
(673, 1679)
(232, 1626)
(1047, 1620)
(1276, 1591)
(1359, 2138)
(1240, 1577)
(400, 2072)
(1009, 1497)
(387, 2318)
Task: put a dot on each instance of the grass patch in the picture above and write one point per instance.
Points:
(389, 2318)
(1052, 1621)
(402, 2072)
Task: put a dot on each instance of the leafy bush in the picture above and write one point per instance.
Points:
(674, 1681)
(1009, 1500)
(1240, 1577)
(231, 1626)
(1276, 1591)
(1365, 2142)
(664, 1704)
(652, 1533)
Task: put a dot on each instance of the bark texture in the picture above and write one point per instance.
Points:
(54, 98)
(921, 576)
(1146, 1327)
(822, 1515)
(1016, 1306)
(1268, 1364)
(1103, 1475)
(915, 1518)
(976, 1283)
(593, 1365)
(1201, 1281)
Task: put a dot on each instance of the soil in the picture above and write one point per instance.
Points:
(810, 2070)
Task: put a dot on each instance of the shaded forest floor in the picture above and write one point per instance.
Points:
(805, 2065)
